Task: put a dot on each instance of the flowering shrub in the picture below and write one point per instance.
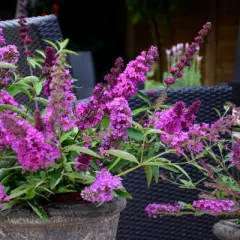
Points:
(56, 145)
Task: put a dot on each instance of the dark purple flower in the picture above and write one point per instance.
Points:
(186, 60)
(25, 39)
(82, 162)
(49, 62)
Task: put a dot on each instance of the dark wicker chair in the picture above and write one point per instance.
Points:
(134, 224)
(46, 27)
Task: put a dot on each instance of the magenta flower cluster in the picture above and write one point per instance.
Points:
(177, 123)
(180, 131)
(154, 210)
(120, 117)
(235, 154)
(6, 98)
(3, 196)
(214, 206)
(33, 152)
(60, 101)
(102, 189)
(186, 60)
(8, 54)
(2, 39)
(110, 98)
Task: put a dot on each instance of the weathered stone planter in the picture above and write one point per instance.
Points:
(227, 230)
(68, 221)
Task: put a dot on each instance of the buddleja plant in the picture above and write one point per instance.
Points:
(54, 145)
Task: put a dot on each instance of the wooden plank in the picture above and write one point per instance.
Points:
(210, 47)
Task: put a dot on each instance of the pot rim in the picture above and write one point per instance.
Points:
(61, 213)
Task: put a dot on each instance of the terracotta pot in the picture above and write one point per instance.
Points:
(227, 230)
(67, 221)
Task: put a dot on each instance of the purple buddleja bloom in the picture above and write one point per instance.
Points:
(111, 78)
(2, 39)
(86, 119)
(235, 154)
(82, 162)
(154, 210)
(49, 62)
(120, 116)
(118, 85)
(214, 207)
(134, 74)
(176, 122)
(188, 57)
(172, 120)
(33, 152)
(23, 30)
(3, 196)
(60, 102)
(8, 54)
(90, 113)
(215, 130)
(102, 189)
(6, 98)
(191, 113)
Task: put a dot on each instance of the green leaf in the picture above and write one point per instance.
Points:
(37, 87)
(69, 51)
(137, 125)
(5, 175)
(86, 179)
(218, 112)
(31, 193)
(13, 109)
(33, 62)
(43, 174)
(64, 44)
(181, 170)
(17, 88)
(153, 131)
(79, 149)
(137, 17)
(143, 97)
(123, 155)
(138, 110)
(149, 174)
(65, 136)
(55, 178)
(165, 106)
(62, 189)
(187, 184)
(41, 53)
(7, 65)
(51, 43)
(135, 134)
(38, 210)
(19, 191)
(30, 79)
(122, 193)
(155, 171)
(105, 122)
(46, 189)
(41, 100)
